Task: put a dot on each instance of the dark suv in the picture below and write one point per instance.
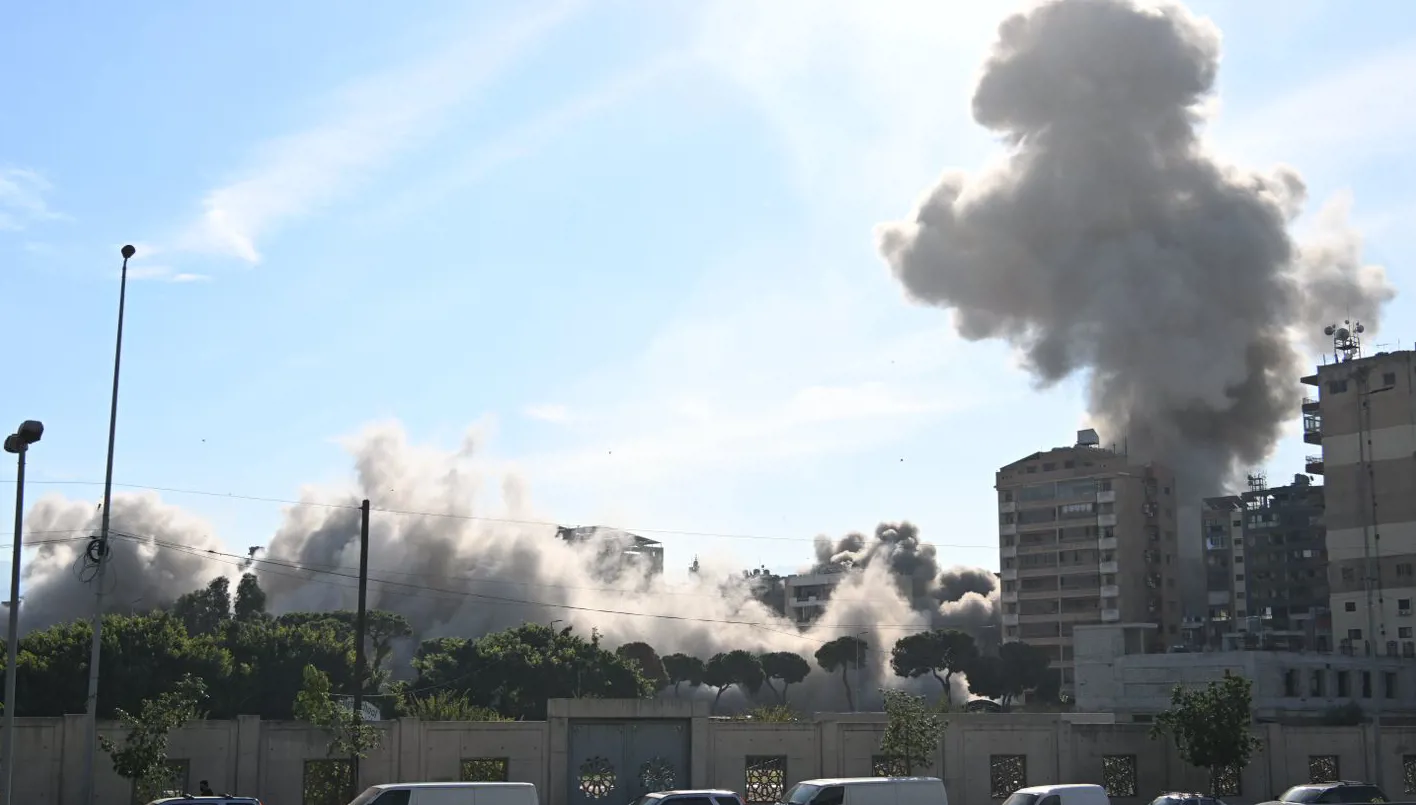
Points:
(1341, 792)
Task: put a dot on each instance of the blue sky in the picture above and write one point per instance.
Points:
(630, 241)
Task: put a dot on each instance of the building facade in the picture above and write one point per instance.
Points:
(618, 550)
(1266, 569)
(806, 594)
(1086, 536)
(1364, 418)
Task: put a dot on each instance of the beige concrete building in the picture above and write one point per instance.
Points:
(1365, 420)
(1086, 536)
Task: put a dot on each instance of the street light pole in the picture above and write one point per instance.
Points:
(18, 443)
(91, 738)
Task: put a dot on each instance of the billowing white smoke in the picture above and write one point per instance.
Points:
(456, 564)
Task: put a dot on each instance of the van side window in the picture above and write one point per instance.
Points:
(396, 796)
(834, 795)
(687, 801)
(1050, 799)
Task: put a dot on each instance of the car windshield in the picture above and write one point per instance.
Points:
(1021, 799)
(1301, 793)
(368, 796)
(800, 794)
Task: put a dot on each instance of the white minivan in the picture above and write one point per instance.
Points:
(1067, 794)
(868, 791)
(449, 794)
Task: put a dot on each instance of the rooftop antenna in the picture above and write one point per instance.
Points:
(1346, 340)
(1258, 481)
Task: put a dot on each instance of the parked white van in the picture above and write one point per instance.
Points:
(868, 791)
(449, 794)
(1073, 794)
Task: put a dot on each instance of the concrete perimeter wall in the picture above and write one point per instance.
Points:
(981, 756)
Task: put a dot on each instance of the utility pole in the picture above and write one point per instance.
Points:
(360, 627)
(18, 443)
(99, 552)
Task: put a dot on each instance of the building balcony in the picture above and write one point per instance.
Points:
(1078, 592)
(1007, 529)
(1109, 496)
(1010, 597)
(1110, 615)
(1008, 574)
(1106, 543)
(1310, 405)
(1010, 620)
(1008, 507)
(1110, 590)
(1105, 520)
(1313, 465)
(1007, 551)
(1312, 429)
(1218, 597)
(1109, 567)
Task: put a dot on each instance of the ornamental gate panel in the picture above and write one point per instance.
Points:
(617, 762)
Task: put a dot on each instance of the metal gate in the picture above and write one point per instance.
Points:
(617, 762)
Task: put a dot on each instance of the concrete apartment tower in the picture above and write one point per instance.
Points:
(1086, 536)
(1365, 420)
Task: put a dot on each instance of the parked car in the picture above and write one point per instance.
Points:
(868, 791)
(449, 794)
(699, 796)
(1065, 794)
(1338, 792)
(1186, 798)
(188, 799)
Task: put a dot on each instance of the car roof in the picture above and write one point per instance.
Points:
(677, 791)
(387, 786)
(1040, 789)
(864, 780)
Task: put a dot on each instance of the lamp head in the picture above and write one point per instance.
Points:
(129, 251)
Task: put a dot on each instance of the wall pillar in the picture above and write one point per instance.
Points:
(408, 764)
(72, 780)
(247, 775)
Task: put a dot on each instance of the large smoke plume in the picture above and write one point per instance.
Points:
(455, 563)
(1111, 240)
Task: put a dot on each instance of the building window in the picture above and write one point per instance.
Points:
(1317, 686)
(887, 766)
(1366, 684)
(1403, 632)
(1344, 684)
(1408, 774)
(1404, 606)
(1403, 569)
(1389, 684)
(1389, 379)
(1349, 606)
(1227, 782)
(485, 769)
(1354, 634)
(1290, 684)
(1118, 775)
(1337, 386)
(766, 778)
(1006, 774)
(326, 782)
(1322, 769)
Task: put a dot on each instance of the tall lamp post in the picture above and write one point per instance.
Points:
(96, 649)
(18, 443)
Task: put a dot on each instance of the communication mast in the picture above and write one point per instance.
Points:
(1346, 340)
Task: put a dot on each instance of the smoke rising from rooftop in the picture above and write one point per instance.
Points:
(460, 552)
(1111, 241)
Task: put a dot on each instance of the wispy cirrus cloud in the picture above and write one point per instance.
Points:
(22, 199)
(368, 124)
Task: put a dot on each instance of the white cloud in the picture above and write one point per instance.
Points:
(374, 120)
(22, 199)
(548, 413)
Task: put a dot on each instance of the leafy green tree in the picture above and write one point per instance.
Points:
(443, 705)
(1211, 725)
(912, 731)
(771, 714)
(142, 757)
(650, 666)
(143, 656)
(204, 611)
(741, 668)
(349, 735)
(843, 654)
(517, 670)
(941, 653)
(679, 668)
(250, 598)
(1017, 669)
(787, 666)
(381, 630)
(268, 665)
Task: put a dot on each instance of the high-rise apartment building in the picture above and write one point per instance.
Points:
(1266, 569)
(1365, 419)
(1086, 536)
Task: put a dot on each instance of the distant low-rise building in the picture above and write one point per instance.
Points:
(624, 548)
(806, 594)
(1115, 673)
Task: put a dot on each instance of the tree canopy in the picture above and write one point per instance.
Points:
(912, 732)
(142, 756)
(1211, 725)
(680, 668)
(650, 666)
(843, 654)
(739, 667)
(1017, 669)
(786, 666)
(940, 653)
